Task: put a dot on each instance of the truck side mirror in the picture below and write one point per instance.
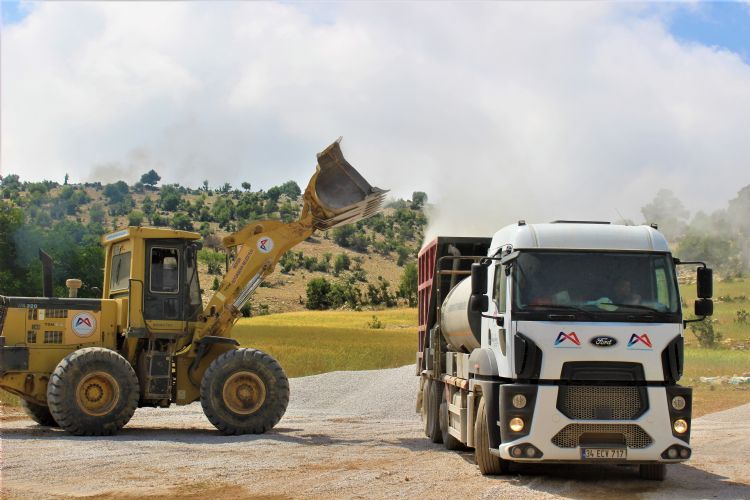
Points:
(478, 279)
(479, 302)
(704, 307)
(705, 283)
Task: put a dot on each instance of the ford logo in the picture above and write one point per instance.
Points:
(603, 341)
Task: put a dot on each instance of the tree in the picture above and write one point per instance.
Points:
(116, 192)
(170, 198)
(135, 218)
(317, 294)
(341, 263)
(418, 200)
(180, 220)
(96, 213)
(668, 212)
(65, 182)
(291, 189)
(246, 186)
(342, 235)
(407, 289)
(150, 178)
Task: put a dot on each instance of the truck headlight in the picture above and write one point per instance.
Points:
(516, 424)
(680, 426)
(519, 401)
(678, 403)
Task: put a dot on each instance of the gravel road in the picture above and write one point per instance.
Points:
(346, 434)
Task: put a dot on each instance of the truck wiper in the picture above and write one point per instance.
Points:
(634, 306)
(562, 307)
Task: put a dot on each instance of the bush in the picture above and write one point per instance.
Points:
(317, 294)
(341, 263)
(375, 324)
(742, 317)
(706, 332)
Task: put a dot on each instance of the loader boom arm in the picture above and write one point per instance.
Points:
(336, 195)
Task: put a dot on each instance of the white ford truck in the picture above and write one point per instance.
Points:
(559, 342)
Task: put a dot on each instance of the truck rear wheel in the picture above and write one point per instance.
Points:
(489, 464)
(449, 441)
(93, 392)
(433, 394)
(244, 391)
(653, 472)
(38, 413)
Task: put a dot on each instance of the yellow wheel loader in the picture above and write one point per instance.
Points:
(87, 364)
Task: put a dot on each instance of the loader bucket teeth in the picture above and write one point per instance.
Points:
(338, 194)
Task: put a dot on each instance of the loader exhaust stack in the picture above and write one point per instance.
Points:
(337, 194)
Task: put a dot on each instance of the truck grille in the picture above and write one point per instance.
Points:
(594, 402)
(633, 435)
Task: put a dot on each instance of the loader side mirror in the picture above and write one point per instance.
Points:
(704, 307)
(705, 283)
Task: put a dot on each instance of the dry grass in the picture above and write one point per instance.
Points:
(307, 343)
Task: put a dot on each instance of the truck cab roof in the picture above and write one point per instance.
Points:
(579, 236)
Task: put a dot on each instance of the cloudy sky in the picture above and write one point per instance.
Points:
(499, 111)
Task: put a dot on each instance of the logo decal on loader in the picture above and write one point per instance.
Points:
(83, 324)
(640, 339)
(562, 337)
(265, 245)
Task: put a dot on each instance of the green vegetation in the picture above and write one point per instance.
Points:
(308, 343)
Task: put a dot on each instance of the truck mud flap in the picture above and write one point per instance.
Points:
(490, 393)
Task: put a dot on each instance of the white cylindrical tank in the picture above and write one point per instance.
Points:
(456, 321)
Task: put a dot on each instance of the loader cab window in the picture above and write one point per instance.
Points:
(165, 270)
(120, 271)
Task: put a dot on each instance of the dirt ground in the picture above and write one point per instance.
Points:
(351, 435)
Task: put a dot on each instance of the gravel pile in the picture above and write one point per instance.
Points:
(383, 394)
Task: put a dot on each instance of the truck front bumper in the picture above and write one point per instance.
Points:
(551, 436)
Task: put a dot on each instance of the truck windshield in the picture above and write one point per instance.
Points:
(595, 286)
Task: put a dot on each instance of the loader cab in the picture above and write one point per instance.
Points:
(153, 273)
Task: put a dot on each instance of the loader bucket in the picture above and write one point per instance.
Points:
(337, 194)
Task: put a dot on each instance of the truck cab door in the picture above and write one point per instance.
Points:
(499, 328)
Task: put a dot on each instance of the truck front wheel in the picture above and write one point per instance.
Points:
(489, 464)
(38, 413)
(93, 392)
(244, 391)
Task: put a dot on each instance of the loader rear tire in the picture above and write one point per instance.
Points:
(489, 464)
(244, 391)
(93, 392)
(433, 394)
(38, 413)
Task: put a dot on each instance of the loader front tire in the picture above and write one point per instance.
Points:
(38, 413)
(244, 391)
(93, 392)
(489, 464)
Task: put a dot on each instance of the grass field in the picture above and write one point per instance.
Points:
(730, 297)
(307, 343)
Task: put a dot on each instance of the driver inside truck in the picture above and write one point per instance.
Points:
(622, 293)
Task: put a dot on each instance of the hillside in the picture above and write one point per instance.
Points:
(363, 262)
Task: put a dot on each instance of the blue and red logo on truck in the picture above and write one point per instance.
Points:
(570, 340)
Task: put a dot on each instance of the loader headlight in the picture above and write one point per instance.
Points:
(680, 426)
(519, 401)
(516, 424)
(678, 403)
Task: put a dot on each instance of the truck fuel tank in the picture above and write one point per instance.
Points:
(460, 328)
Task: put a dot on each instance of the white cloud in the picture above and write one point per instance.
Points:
(499, 111)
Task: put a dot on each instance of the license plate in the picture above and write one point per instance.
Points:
(604, 453)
